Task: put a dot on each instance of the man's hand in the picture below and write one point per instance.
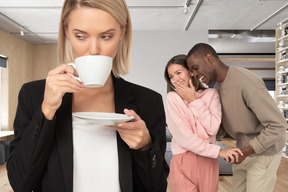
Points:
(246, 152)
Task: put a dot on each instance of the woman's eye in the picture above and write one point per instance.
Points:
(106, 36)
(79, 37)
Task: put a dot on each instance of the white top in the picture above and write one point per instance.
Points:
(95, 157)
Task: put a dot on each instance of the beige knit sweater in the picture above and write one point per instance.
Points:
(249, 113)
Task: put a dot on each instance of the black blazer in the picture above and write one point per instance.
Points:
(42, 151)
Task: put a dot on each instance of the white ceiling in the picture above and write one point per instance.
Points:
(39, 18)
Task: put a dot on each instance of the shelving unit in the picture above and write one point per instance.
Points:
(283, 49)
(282, 61)
(281, 70)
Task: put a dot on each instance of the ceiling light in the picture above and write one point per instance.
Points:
(262, 40)
(213, 36)
(21, 32)
(234, 35)
(192, 14)
(185, 9)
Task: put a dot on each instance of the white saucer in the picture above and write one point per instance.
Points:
(103, 118)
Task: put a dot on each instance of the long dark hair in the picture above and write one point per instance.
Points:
(180, 60)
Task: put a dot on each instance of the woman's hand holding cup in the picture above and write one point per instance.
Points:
(93, 71)
(58, 82)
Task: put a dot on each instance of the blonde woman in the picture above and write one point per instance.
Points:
(47, 155)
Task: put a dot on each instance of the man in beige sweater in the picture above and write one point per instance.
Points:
(250, 115)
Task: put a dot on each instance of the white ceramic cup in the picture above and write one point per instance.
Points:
(93, 70)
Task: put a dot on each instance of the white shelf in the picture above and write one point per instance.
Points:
(284, 72)
(282, 96)
(284, 108)
(282, 61)
(282, 38)
(285, 24)
(280, 84)
(285, 156)
(283, 49)
(278, 63)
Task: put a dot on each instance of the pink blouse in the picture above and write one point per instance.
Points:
(194, 125)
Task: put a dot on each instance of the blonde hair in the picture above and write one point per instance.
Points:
(117, 9)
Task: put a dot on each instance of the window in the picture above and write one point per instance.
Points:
(270, 84)
(0, 101)
(3, 63)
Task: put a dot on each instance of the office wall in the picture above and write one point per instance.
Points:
(151, 51)
(19, 69)
(263, 64)
(45, 58)
(239, 46)
(25, 63)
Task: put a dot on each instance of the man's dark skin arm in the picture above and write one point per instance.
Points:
(246, 152)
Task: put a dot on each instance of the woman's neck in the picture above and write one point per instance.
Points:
(99, 99)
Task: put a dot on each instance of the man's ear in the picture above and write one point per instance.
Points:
(209, 58)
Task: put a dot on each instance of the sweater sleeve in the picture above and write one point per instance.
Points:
(180, 130)
(208, 115)
(264, 107)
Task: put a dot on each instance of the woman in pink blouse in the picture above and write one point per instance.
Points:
(193, 115)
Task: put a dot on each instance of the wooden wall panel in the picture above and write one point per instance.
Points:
(25, 63)
(19, 68)
(45, 58)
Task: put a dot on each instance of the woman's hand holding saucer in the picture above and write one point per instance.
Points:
(134, 133)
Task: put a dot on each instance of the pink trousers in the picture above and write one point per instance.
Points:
(193, 173)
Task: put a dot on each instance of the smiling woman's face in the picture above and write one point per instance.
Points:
(178, 73)
(93, 31)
